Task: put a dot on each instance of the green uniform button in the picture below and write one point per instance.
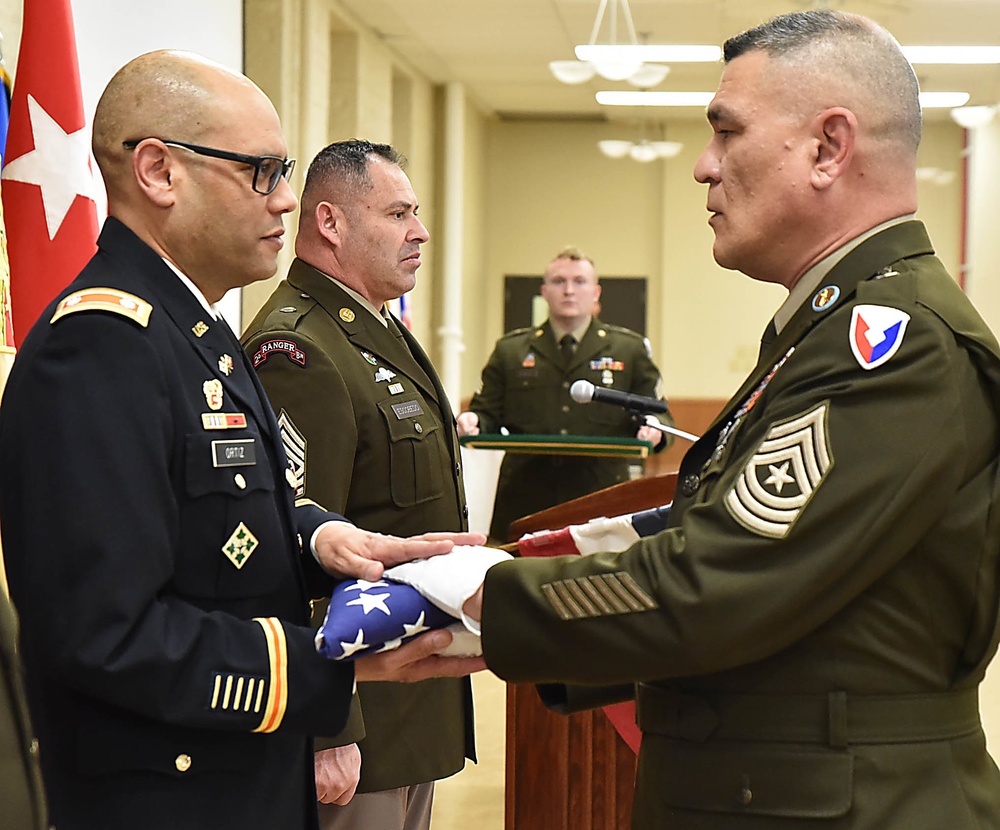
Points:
(690, 485)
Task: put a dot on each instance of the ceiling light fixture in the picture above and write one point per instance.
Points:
(952, 54)
(614, 61)
(972, 117)
(643, 150)
(640, 98)
(643, 98)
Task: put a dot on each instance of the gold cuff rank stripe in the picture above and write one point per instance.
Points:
(105, 299)
(601, 595)
(779, 480)
(277, 688)
(237, 692)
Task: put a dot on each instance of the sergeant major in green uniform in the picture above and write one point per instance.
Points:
(370, 432)
(526, 389)
(807, 637)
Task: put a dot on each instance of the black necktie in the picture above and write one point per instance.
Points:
(567, 345)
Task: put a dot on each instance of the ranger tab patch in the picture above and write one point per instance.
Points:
(788, 467)
(105, 299)
(289, 348)
(876, 333)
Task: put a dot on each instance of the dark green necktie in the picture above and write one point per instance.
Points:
(567, 345)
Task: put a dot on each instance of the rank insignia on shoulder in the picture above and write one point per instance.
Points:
(199, 328)
(825, 297)
(223, 420)
(876, 333)
(786, 470)
(105, 299)
(213, 393)
(240, 545)
(226, 365)
(370, 358)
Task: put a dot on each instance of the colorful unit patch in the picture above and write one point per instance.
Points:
(289, 348)
(778, 481)
(876, 333)
(105, 299)
(240, 546)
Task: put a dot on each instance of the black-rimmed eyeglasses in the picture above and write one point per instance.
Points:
(267, 170)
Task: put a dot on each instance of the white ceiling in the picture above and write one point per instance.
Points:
(500, 49)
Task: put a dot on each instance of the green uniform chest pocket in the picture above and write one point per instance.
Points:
(416, 453)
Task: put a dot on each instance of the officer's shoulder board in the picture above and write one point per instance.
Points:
(105, 299)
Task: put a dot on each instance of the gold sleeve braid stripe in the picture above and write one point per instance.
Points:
(277, 691)
(235, 692)
(601, 595)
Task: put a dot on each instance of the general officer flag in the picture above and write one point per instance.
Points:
(49, 188)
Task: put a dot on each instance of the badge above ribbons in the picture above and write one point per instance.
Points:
(786, 470)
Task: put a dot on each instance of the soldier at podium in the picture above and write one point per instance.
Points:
(525, 389)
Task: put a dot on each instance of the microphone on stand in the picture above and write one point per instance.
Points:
(583, 391)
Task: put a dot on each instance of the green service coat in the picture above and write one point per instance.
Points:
(20, 776)
(809, 634)
(525, 388)
(383, 450)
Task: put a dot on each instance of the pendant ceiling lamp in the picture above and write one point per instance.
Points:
(613, 61)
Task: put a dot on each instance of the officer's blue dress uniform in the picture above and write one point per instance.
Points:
(153, 553)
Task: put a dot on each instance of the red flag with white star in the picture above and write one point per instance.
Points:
(48, 182)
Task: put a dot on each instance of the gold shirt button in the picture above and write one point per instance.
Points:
(182, 762)
(240, 481)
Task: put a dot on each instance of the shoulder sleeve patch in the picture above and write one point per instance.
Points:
(786, 470)
(105, 299)
(279, 345)
(876, 333)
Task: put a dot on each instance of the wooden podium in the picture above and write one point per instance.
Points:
(572, 772)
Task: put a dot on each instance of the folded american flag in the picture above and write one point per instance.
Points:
(617, 533)
(369, 617)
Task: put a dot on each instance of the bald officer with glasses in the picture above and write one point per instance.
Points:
(159, 565)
